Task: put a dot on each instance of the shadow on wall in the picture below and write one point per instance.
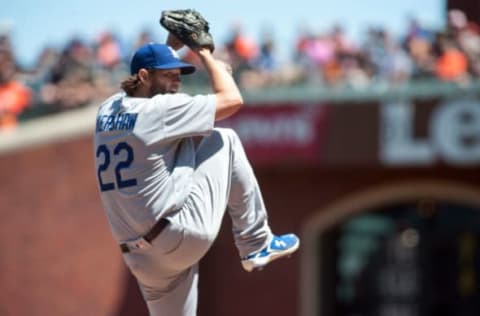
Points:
(131, 304)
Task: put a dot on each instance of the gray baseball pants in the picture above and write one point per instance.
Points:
(167, 272)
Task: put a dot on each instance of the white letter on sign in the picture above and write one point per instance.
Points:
(397, 143)
(455, 130)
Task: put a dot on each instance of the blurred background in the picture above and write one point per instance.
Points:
(362, 122)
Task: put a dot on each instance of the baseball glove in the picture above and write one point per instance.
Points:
(189, 27)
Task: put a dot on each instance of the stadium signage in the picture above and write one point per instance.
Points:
(453, 134)
(287, 134)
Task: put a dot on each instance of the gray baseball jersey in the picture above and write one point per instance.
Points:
(148, 168)
(145, 156)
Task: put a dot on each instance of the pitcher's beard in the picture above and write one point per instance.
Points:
(154, 91)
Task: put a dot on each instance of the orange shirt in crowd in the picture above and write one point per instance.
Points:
(451, 65)
(245, 47)
(14, 98)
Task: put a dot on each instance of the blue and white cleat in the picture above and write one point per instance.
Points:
(280, 246)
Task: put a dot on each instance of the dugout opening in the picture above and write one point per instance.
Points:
(408, 249)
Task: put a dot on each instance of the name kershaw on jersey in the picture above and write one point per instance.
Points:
(119, 122)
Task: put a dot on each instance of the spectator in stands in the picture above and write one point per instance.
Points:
(72, 81)
(352, 72)
(469, 42)
(313, 52)
(343, 59)
(451, 63)
(266, 60)
(456, 22)
(111, 66)
(241, 48)
(396, 65)
(47, 59)
(418, 45)
(343, 45)
(466, 35)
(321, 49)
(304, 36)
(14, 96)
(263, 66)
(375, 49)
(108, 53)
(5, 42)
(357, 74)
(266, 69)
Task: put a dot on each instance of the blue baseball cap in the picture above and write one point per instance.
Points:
(158, 56)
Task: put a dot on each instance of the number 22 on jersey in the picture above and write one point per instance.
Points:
(104, 150)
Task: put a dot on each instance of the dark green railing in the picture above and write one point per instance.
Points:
(425, 89)
(314, 93)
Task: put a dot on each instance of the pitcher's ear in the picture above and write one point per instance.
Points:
(143, 75)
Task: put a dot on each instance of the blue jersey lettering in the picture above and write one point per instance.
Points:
(119, 122)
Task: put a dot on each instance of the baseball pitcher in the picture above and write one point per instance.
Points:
(165, 194)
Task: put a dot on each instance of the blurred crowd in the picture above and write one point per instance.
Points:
(84, 72)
